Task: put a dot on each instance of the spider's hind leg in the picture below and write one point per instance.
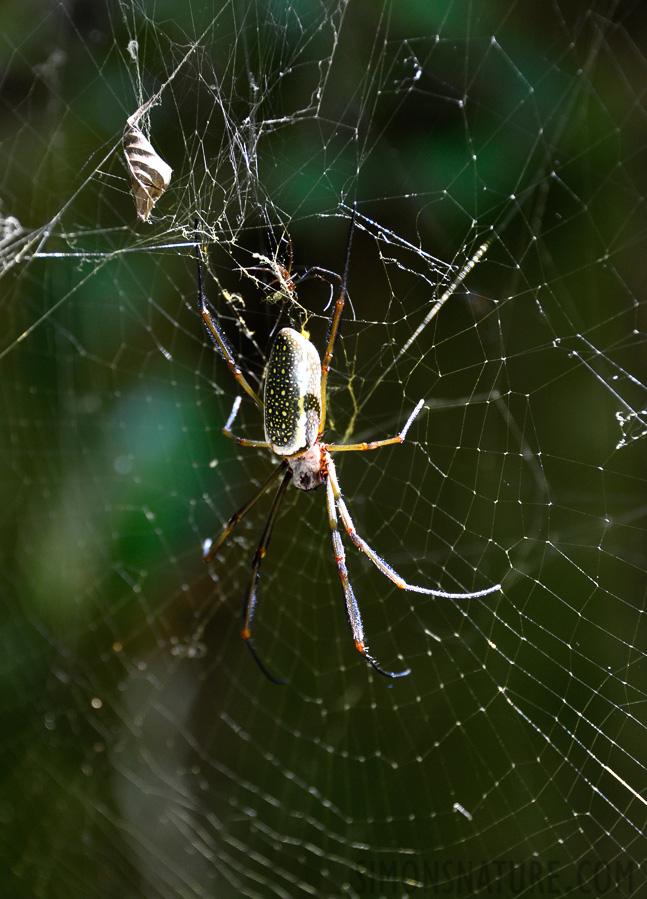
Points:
(352, 609)
(211, 547)
(249, 605)
(255, 656)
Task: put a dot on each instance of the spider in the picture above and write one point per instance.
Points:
(294, 415)
(287, 281)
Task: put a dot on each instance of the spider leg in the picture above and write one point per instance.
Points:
(250, 597)
(376, 444)
(315, 271)
(268, 674)
(352, 609)
(333, 327)
(210, 548)
(384, 567)
(218, 337)
(241, 441)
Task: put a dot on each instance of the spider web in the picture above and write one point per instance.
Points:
(143, 752)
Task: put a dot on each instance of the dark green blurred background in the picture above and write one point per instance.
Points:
(130, 768)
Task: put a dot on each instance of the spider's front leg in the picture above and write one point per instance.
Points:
(219, 337)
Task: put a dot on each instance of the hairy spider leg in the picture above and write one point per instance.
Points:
(376, 444)
(378, 561)
(211, 547)
(241, 441)
(218, 336)
(352, 609)
(250, 597)
(333, 327)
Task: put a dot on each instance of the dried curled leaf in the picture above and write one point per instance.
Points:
(149, 173)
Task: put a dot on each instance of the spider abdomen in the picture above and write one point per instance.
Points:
(292, 396)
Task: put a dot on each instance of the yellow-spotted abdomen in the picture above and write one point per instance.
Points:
(292, 394)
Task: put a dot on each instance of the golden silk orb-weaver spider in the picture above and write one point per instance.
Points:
(294, 415)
